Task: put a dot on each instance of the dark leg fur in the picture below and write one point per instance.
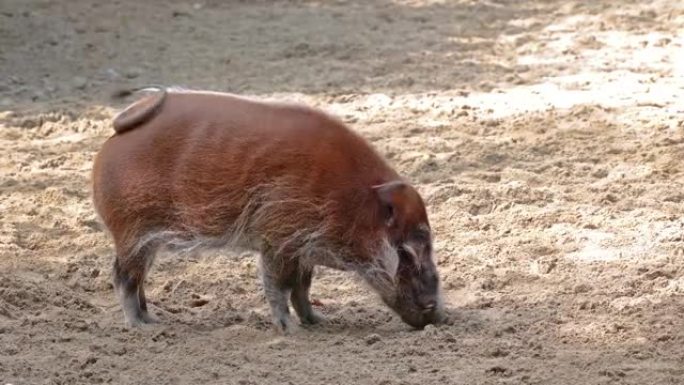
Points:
(146, 316)
(283, 277)
(129, 276)
(300, 298)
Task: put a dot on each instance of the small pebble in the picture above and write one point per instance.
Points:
(199, 302)
(278, 344)
(80, 82)
(132, 73)
(373, 338)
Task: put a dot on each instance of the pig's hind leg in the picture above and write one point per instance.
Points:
(130, 269)
(144, 313)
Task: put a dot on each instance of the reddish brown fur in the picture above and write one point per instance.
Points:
(279, 177)
(230, 144)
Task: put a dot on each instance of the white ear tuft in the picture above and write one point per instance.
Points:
(412, 252)
(388, 259)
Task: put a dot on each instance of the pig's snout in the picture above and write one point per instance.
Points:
(419, 310)
(419, 317)
(413, 294)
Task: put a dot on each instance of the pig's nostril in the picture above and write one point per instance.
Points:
(430, 306)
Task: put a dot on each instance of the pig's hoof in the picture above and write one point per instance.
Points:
(136, 323)
(283, 325)
(149, 319)
(312, 318)
(140, 321)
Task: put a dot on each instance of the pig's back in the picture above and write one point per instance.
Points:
(204, 154)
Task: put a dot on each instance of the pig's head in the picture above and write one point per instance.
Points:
(405, 274)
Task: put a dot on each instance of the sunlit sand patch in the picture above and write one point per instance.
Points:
(644, 243)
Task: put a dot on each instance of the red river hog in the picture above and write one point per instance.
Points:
(190, 168)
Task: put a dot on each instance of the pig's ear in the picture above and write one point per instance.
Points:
(390, 197)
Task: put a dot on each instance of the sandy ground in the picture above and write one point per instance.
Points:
(546, 136)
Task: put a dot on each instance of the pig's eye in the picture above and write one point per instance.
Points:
(421, 235)
(408, 255)
(410, 250)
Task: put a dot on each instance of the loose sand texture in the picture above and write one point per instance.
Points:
(546, 136)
